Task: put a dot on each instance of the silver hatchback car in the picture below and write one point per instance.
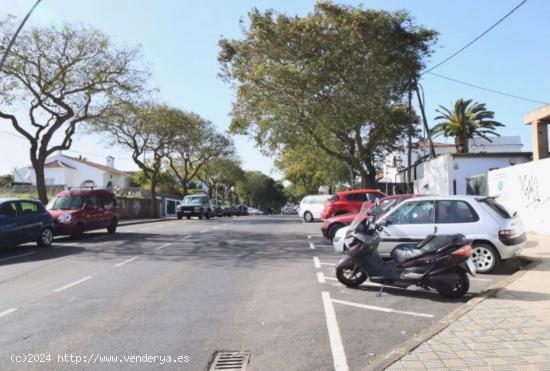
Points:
(496, 234)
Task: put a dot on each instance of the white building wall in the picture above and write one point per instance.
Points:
(436, 179)
(525, 189)
(441, 172)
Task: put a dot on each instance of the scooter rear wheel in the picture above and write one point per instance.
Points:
(351, 277)
(460, 287)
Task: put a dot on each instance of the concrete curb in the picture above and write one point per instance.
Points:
(124, 223)
(397, 353)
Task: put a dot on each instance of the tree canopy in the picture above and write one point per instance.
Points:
(335, 78)
(259, 190)
(466, 119)
(56, 78)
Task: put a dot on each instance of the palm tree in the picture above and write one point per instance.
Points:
(466, 120)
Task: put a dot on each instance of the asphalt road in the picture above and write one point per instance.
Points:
(188, 289)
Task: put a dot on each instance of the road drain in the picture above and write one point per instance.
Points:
(230, 361)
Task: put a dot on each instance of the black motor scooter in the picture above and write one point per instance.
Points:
(439, 262)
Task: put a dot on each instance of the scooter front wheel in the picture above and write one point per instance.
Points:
(351, 277)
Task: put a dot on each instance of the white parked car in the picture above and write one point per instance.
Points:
(496, 234)
(311, 207)
(254, 211)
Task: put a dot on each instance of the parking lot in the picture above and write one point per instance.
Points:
(262, 284)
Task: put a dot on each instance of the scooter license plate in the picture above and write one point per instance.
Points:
(471, 267)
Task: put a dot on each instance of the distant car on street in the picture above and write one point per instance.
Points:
(23, 221)
(254, 211)
(332, 225)
(311, 206)
(195, 205)
(78, 210)
(227, 210)
(217, 210)
(290, 209)
(496, 234)
(349, 201)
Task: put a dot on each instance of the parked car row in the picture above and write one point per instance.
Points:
(201, 206)
(497, 235)
(71, 212)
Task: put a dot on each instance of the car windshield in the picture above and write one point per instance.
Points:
(66, 203)
(193, 200)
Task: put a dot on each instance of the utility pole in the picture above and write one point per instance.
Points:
(409, 143)
(423, 111)
(12, 41)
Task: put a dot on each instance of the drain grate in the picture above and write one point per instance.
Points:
(230, 361)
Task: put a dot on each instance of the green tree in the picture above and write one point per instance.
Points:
(57, 78)
(467, 119)
(145, 129)
(5, 180)
(308, 168)
(336, 77)
(194, 143)
(220, 175)
(259, 190)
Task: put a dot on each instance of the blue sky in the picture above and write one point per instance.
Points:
(179, 39)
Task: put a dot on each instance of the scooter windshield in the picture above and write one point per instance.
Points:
(359, 217)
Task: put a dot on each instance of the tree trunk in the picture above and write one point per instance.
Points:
(185, 186)
(38, 166)
(154, 206)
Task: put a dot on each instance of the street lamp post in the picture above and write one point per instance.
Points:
(12, 41)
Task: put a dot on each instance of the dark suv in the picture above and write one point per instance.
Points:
(75, 211)
(195, 205)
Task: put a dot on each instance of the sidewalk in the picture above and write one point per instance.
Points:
(509, 330)
(125, 222)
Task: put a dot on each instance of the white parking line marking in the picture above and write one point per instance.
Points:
(72, 284)
(126, 261)
(331, 278)
(18, 256)
(206, 230)
(309, 237)
(321, 277)
(336, 345)
(311, 246)
(186, 237)
(331, 264)
(101, 237)
(382, 309)
(316, 262)
(7, 311)
(163, 246)
(480, 279)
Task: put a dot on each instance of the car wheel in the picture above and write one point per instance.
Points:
(308, 217)
(188, 217)
(112, 227)
(333, 229)
(46, 238)
(78, 232)
(200, 215)
(208, 215)
(485, 257)
(180, 217)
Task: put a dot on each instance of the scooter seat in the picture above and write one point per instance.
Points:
(408, 251)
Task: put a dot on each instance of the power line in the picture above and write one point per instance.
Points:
(477, 38)
(488, 89)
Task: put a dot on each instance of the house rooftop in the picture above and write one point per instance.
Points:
(57, 165)
(493, 154)
(99, 166)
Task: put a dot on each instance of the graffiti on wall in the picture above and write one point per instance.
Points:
(531, 196)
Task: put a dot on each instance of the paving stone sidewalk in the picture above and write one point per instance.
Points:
(506, 331)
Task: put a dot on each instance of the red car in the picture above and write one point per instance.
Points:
(349, 201)
(75, 211)
(331, 225)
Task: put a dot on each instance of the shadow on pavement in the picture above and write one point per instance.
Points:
(25, 253)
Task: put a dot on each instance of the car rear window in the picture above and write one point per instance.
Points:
(498, 208)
